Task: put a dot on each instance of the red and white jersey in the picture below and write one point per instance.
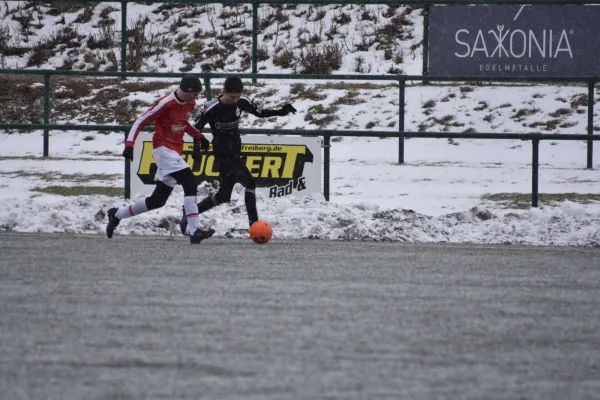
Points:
(170, 116)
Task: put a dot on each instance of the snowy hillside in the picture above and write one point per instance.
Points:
(371, 194)
(211, 38)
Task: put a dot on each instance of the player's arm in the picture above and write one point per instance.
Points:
(200, 141)
(245, 104)
(193, 132)
(147, 117)
(202, 119)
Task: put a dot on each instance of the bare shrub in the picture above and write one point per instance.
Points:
(25, 19)
(579, 100)
(367, 16)
(125, 112)
(285, 59)
(300, 91)
(142, 44)
(359, 64)
(71, 88)
(297, 88)
(228, 43)
(281, 17)
(262, 53)
(399, 58)
(321, 60)
(104, 40)
(246, 62)
(141, 86)
(20, 93)
(395, 70)
(95, 59)
(332, 32)
(85, 16)
(4, 39)
(429, 104)
(41, 52)
(342, 19)
(267, 19)
(105, 13)
(320, 14)
(482, 106)
(67, 64)
(111, 57)
(188, 64)
(351, 98)
(110, 93)
(66, 7)
(394, 30)
(366, 43)
(216, 65)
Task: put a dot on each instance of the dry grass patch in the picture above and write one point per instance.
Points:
(57, 176)
(80, 190)
(19, 93)
(95, 100)
(300, 91)
(349, 99)
(354, 86)
(523, 200)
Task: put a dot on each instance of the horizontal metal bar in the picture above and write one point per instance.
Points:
(354, 77)
(319, 132)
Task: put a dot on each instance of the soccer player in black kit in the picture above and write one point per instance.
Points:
(223, 115)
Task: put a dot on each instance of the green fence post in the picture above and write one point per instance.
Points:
(254, 39)
(127, 193)
(326, 160)
(207, 88)
(46, 112)
(590, 124)
(535, 158)
(123, 36)
(425, 38)
(401, 121)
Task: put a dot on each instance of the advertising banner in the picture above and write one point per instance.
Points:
(519, 40)
(282, 166)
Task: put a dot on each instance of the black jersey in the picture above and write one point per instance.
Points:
(224, 120)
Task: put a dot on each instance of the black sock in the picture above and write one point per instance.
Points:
(206, 204)
(250, 199)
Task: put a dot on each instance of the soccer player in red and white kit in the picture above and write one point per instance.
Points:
(170, 115)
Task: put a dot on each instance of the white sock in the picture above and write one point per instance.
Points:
(191, 210)
(136, 208)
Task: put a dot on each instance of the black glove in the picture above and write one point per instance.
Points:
(128, 153)
(200, 145)
(204, 144)
(287, 108)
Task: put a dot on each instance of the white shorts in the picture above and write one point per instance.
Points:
(167, 161)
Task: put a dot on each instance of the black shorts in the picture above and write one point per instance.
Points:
(233, 170)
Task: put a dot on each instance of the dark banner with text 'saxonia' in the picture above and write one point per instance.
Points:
(521, 40)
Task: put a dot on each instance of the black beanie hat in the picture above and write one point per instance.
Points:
(190, 83)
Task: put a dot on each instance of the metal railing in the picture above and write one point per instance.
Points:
(535, 139)
(400, 79)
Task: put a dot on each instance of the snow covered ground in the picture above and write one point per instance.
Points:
(436, 196)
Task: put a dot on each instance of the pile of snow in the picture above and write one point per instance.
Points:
(312, 217)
